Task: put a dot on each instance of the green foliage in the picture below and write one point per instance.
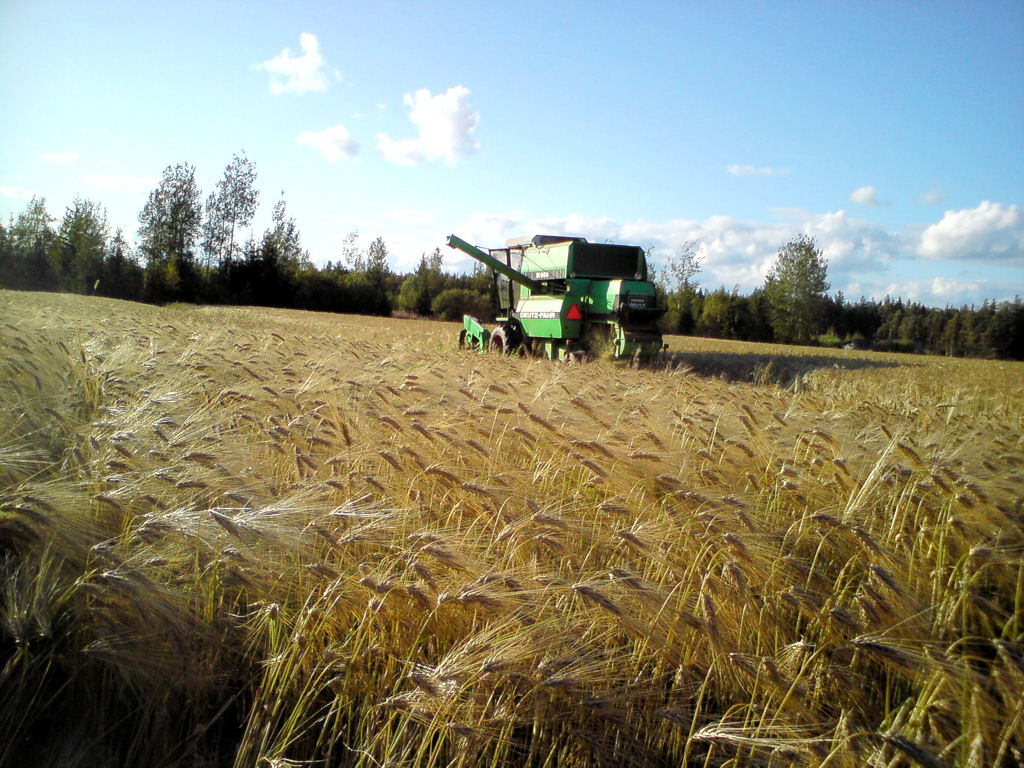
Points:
(683, 298)
(29, 241)
(684, 309)
(377, 259)
(681, 270)
(229, 207)
(361, 291)
(169, 222)
(830, 339)
(795, 290)
(420, 288)
(6, 253)
(351, 256)
(123, 278)
(367, 285)
(453, 303)
(282, 243)
(78, 254)
(717, 318)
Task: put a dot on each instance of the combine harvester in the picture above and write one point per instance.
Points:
(566, 299)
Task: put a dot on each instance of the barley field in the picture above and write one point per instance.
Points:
(255, 537)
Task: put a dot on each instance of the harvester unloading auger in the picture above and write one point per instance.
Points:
(563, 297)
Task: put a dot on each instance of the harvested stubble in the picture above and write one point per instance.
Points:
(247, 536)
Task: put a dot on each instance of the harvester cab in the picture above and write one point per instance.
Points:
(563, 297)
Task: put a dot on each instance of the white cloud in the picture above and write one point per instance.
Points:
(491, 230)
(865, 196)
(61, 158)
(750, 170)
(299, 74)
(933, 196)
(335, 143)
(735, 252)
(943, 287)
(863, 258)
(988, 232)
(852, 245)
(939, 291)
(445, 125)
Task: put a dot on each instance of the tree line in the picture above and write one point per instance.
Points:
(793, 306)
(194, 251)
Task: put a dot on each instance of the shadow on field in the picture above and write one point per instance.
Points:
(779, 369)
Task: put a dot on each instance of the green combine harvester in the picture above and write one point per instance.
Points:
(564, 298)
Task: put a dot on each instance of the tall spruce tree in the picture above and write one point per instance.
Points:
(81, 247)
(30, 241)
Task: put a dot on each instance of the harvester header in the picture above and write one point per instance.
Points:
(565, 297)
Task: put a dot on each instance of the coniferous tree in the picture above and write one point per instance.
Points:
(6, 254)
(31, 238)
(81, 247)
(122, 275)
(420, 288)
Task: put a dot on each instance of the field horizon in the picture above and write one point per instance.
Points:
(248, 536)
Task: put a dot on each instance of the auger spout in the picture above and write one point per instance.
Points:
(512, 274)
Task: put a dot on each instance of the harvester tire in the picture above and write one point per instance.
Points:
(504, 341)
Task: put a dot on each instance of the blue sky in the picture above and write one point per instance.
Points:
(891, 132)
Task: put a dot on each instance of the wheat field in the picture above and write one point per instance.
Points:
(241, 536)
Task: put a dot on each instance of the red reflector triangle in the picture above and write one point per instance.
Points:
(574, 313)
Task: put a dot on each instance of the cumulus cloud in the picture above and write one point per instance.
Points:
(939, 291)
(298, 74)
(988, 232)
(444, 124)
(61, 158)
(335, 143)
(863, 259)
(865, 196)
(851, 245)
(750, 170)
(734, 252)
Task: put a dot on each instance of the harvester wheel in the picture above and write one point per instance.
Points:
(504, 341)
(462, 339)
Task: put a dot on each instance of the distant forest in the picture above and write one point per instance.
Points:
(190, 251)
